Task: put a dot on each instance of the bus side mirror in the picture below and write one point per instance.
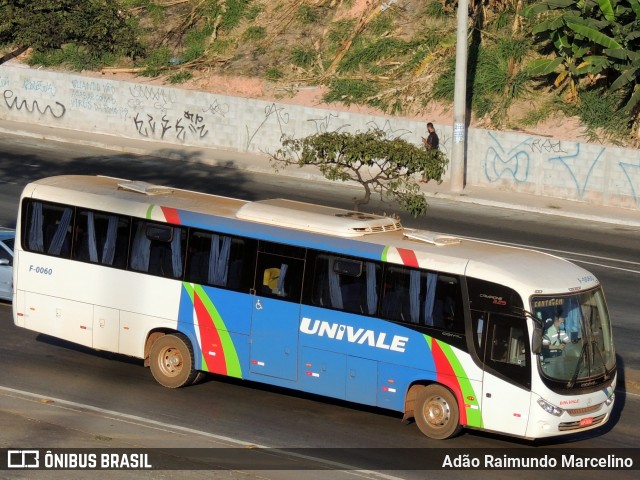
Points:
(536, 341)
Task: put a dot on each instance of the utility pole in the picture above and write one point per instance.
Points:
(459, 101)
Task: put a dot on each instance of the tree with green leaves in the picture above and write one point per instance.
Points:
(381, 165)
(96, 27)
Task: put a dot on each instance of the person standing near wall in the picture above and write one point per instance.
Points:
(432, 142)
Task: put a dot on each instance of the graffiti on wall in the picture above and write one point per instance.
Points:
(513, 163)
(40, 86)
(99, 97)
(217, 108)
(388, 130)
(13, 102)
(327, 124)
(632, 174)
(546, 145)
(574, 163)
(273, 113)
(161, 128)
(144, 95)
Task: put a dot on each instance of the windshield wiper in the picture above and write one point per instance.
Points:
(577, 370)
(574, 378)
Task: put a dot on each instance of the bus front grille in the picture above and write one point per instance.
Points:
(566, 426)
(574, 412)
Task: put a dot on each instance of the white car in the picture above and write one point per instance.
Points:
(7, 239)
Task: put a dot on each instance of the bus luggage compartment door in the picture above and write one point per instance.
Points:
(106, 328)
(274, 338)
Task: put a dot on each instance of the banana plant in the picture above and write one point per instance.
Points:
(593, 41)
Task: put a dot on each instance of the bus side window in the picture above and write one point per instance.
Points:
(220, 260)
(279, 275)
(158, 249)
(347, 284)
(100, 238)
(49, 229)
(423, 298)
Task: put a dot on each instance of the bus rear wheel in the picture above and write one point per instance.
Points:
(171, 361)
(436, 412)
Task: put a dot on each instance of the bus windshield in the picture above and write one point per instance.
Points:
(577, 344)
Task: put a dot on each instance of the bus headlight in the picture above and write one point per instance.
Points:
(550, 408)
(610, 400)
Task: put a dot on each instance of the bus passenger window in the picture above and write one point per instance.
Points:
(423, 298)
(279, 277)
(158, 249)
(347, 284)
(100, 238)
(49, 229)
(220, 260)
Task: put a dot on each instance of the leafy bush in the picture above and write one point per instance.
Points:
(95, 27)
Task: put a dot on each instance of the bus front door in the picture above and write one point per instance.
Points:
(274, 338)
(506, 383)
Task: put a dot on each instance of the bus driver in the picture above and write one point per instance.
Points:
(556, 337)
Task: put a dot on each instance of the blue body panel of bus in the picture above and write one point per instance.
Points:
(322, 351)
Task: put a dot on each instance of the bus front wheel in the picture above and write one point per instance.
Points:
(171, 361)
(436, 412)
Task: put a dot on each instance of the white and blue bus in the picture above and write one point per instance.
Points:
(450, 332)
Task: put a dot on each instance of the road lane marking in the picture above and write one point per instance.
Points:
(48, 401)
(566, 252)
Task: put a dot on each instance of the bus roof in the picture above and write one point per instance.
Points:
(370, 236)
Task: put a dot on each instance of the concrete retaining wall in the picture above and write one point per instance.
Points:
(579, 171)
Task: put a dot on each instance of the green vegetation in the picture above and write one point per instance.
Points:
(254, 33)
(273, 74)
(303, 57)
(528, 60)
(61, 32)
(351, 90)
(306, 14)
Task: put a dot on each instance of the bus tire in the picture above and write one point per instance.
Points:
(200, 376)
(171, 361)
(436, 412)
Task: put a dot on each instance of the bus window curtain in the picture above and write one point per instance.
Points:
(335, 294)
(283, 274)
(372, 290)
(36, 237)
(219, 261)
(109, 249)
(140, 250)
(414, 295)
(91, 230)
(61, 233)
(176, 252)
(429, 301)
